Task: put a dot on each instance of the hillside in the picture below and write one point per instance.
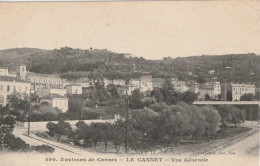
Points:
(74, 63)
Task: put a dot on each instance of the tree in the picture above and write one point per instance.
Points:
(113, 91)
(118, 134)
(189, 97)
(98, 134)
(84, 133)
(212, 118)
(59, 129)
(6, 128)
(167, 91)
(231, 114)
(76, 106)
(201, 80)
(229, 95)
(247, 97)
(157, 94)
(207, 97)
(19, 104)
(135, 100)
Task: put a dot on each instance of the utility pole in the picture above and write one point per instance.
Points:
(29, 116)
(126, 124)
(251, 117)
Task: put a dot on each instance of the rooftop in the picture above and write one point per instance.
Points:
(52, 96)
(42, 75)
(12, 79)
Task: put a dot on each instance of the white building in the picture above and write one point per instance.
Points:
(52, 90)
(135, 82)
(212, 72)
(158, 82)
(179, 86)
(239, 89)
(3, 71)
(74, 89)
(213, 89)
(9, 85)
(126, 89)
(56, 101)
(145, 83)
(44, 80)
(21, 72)
(119, 82)
(84, 82)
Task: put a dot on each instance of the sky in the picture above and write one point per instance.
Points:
(152, 30)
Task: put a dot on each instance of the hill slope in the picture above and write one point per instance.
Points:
(74, 63)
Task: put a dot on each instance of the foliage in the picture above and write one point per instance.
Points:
(231, 114)
(207, 97)
(247, 97)
(43, 149)
(136, 100)
(76, 106)
(189, 97)
(76, 63)
(59, 129)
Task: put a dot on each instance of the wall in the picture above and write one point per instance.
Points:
(42, 125)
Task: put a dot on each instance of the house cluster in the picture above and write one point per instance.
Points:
(55, 90)
(49, 88)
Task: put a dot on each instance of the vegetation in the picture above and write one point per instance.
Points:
(156, 127)
(8, 142)
(75, 63)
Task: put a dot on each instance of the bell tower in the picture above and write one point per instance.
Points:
(21, 72)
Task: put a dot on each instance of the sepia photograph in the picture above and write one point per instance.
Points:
(130, 83)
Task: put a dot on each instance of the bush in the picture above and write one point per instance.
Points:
(16, 144)
(49, 117)
(44, 149)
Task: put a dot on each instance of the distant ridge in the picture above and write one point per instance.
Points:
(75, 63)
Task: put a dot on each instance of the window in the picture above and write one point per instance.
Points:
(1, 87)
(8, 88)
(14, 88)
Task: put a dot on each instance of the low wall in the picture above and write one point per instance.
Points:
(42, 125)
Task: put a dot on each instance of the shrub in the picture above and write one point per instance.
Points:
(44, 149)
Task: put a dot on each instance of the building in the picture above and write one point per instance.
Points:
(119, 82)
(236, 90)
(126, 89)
(88, 92)
(43, 80)
(203, 90)
(85, 82)
(179, 86)
(212, 72)
(213, 89)
(3, 71)
(135, 82)
(21, 72)
(158, 82)
(9, 85)
(52, 90)
(144, 83)
(74, 89)
(193, 87)
(56, 101)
